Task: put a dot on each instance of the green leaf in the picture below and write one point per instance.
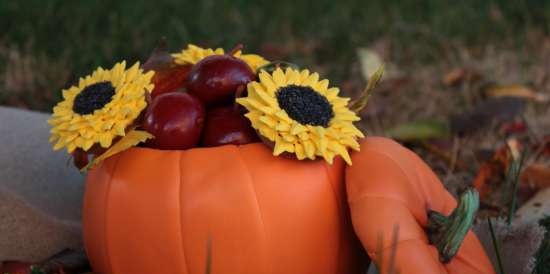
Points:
(419, 130)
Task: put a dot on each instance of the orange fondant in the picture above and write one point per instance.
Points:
(388, 186)
(153, 211)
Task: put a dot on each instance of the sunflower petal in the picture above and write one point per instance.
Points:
(279, 77)
(300, 151)
(282, 146)
(131, 139)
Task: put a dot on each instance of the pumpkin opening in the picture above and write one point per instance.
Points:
(447, 233)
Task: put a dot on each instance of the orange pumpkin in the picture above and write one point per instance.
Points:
(153, 211)
(389, 186)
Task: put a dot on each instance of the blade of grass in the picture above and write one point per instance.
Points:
(392, 269)
(495, 246)
(542, 258)
(513, 177)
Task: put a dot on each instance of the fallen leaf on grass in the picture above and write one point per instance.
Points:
(515, 90)
(492, 172)
(458, 76)
(419, 130)
(491, 175)
(537, 176)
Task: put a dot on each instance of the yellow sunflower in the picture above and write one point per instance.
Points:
(302, 115)
(193, 54)
(255, 61)
(100, 108)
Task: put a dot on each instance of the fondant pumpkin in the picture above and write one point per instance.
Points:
(388, 186)
(154, 211)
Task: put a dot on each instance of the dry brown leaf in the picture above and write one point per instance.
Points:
(491, 172)
(537, 176)
(458, 76)
(515, 90)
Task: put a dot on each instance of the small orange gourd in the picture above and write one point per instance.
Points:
(154, 211)
(388, 186)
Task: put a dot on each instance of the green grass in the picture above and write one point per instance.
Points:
(542, 263)
(87, 34)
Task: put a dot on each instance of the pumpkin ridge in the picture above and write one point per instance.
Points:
(251, 183)
(180, 205)
(340, 215)
(423, 177)
(401, 149)
(401, 202)
(365, 196)
(467, 262)
(387, 250)
(420, 197)
(404, 241)
(399, 238)
(107, 199)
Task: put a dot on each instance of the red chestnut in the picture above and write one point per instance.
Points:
(227, 125)
(216, 78)
(175, 119)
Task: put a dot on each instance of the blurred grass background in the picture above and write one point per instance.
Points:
(46, 45)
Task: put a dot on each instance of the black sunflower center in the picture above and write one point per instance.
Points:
(93, 97)
(305, 105)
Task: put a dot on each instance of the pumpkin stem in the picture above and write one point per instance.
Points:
(446, 233)
(361, 102)
(236, 49)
